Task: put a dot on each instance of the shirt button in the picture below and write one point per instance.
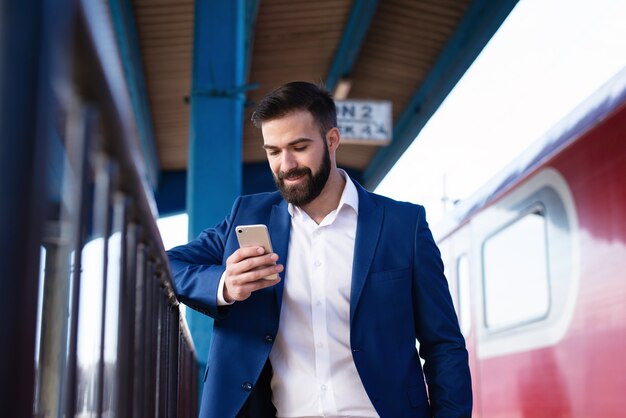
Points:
(323, 387)
(317, 263)
(318, 303)
(247, 386)
(320, 345)
(269, 338)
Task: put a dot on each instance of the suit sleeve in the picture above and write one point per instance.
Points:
(442, 345)
(197, 267)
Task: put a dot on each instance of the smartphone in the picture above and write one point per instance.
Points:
(255, 236)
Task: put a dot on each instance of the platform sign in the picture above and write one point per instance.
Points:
(365, 122)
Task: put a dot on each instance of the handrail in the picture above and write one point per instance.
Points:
(139, 359)
(112, 93)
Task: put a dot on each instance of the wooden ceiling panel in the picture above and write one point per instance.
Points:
(403, 43)
(293, 40)
(165, 31)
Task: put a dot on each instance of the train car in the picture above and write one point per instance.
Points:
(537, 267)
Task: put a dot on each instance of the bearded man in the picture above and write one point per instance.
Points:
(360, 279)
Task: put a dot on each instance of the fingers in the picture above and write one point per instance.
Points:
(246, 270)
(240, 287)
(243, 253)
(252, 262)
(260, 273)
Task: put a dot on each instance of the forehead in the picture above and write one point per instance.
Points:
(294, 125)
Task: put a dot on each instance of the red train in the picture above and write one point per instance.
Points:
(537, 267)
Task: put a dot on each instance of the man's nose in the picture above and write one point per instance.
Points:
(288, 162)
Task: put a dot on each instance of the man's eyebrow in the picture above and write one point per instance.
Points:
(290, 144)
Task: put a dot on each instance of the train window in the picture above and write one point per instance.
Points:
(528, 255)
(463, 293)
(516, 281)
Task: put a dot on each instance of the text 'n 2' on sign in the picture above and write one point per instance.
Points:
(366, 122)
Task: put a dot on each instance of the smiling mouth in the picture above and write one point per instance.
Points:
(294, 179)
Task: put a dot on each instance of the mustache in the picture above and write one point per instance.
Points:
(296, 172)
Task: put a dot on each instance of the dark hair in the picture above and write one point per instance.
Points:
(294, 96)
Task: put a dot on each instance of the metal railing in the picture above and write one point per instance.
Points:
(106, 334)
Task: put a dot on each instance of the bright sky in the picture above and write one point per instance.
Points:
(174, 230)
(546, 58)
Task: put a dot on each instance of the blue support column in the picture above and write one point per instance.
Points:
(215, 143)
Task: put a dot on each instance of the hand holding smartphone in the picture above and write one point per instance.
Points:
(255, 236)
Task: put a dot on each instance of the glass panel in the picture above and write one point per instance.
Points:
(89, 351)
(38, 356)
(111, 325)
(66, 153)
(463, 294)
(516, 273)
(139, 346)
(90, 327)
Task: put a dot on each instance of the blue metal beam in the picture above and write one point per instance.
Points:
(358, 25)
(481, 21)
(34, 47)
(128, 43)
(215, 143)
(257, 178)
(171, 195)
(252, 9)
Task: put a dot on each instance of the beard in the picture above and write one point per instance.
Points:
(311, 186)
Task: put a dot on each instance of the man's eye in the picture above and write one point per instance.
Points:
(272, 153)
(299, 149)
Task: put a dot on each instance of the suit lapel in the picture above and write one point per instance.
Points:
(367, 231)
(279, 228)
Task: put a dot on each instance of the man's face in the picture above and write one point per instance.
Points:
(298, 156)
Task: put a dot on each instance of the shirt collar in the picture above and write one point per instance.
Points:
(349, 196)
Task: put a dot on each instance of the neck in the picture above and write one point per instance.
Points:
(329, 198)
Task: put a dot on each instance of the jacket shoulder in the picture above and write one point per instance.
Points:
(255, 208)
(261, 199)
(393, 204)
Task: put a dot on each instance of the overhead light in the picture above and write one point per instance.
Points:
(343, 89)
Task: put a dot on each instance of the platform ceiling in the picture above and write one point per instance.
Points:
(410, 52)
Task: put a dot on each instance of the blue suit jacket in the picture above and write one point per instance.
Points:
(398, 294)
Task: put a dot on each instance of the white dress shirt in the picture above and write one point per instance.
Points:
(314, 373)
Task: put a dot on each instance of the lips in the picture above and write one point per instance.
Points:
(293, 176)
(294, 179)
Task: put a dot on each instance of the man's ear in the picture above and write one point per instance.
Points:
(333, 138)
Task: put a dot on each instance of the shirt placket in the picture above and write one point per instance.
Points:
(320, 329)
